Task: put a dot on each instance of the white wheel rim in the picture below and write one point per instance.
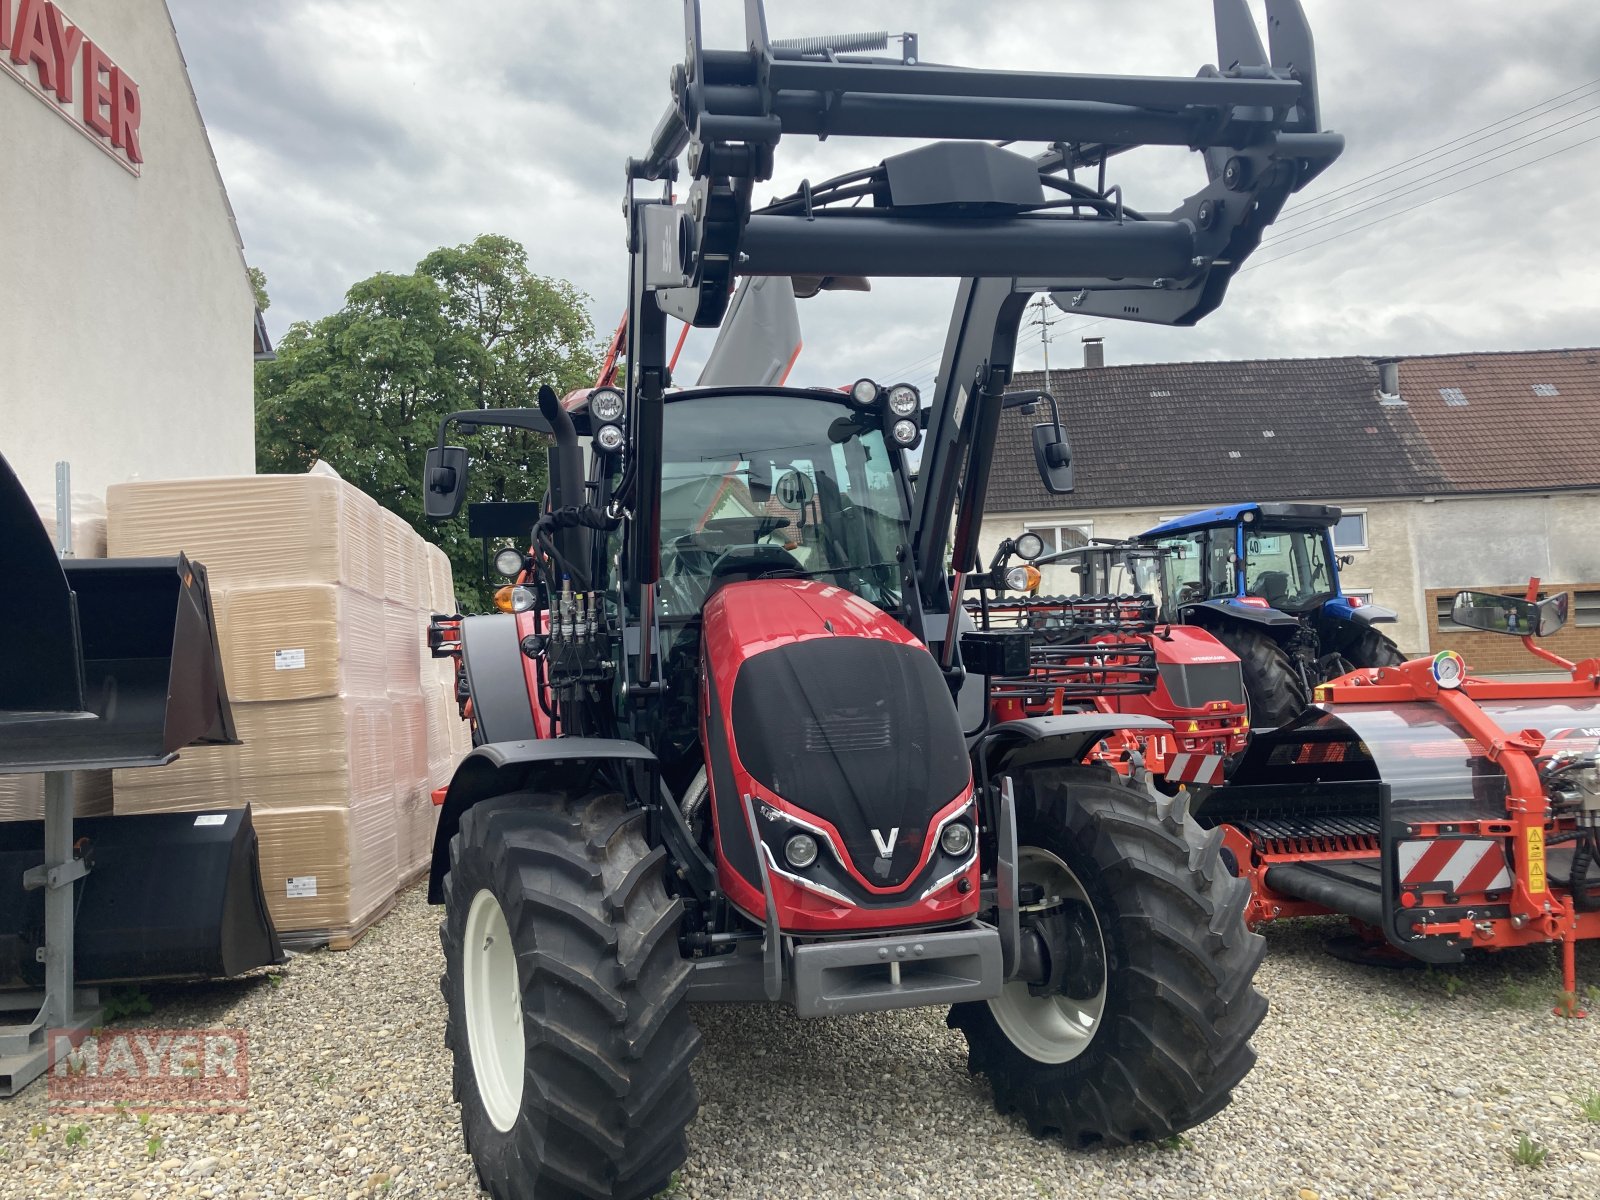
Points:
(493, 1001)
(1050, 1029)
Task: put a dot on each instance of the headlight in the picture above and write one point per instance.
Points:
(904, 400)
(863, 393)
(904, 433)
(1029, 545)
(509, 562)
(608, 438)
(514, 599)
(605, 404)
(1022, 578)
(956, 839)
(801, 850)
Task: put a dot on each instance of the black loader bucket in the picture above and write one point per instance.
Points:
(115, 663)
(167, 896)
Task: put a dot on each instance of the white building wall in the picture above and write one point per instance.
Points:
(125, 311)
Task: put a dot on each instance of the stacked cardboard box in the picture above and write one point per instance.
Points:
(22, 796)
(322, 600)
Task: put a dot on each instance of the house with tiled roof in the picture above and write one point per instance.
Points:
(1454, 471)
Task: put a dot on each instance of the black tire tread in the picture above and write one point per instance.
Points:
(1276, 692)
(1373, 648)
(1181, 1005)
(608, 1092)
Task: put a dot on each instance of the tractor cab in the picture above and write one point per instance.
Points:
(785, 483)
(1264, 579)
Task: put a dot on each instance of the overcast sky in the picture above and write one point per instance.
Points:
(356, 135)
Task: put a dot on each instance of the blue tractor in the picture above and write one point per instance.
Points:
(1264, 580)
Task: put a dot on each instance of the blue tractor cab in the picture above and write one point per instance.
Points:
(1264, 580)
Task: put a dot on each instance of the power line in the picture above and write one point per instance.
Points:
(1421, 204)
(1361, 182)
(1333, 218)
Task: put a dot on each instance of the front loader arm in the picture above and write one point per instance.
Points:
(1010, 224)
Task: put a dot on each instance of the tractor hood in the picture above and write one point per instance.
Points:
(819, 706)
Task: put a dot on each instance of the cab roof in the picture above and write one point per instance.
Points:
(1299, 516)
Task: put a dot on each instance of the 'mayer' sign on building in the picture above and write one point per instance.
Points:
(73, 75)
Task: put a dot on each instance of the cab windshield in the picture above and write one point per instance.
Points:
(1287, 568)
(792, 485)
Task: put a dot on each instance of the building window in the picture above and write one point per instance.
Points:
(1546, 389)
(1453, 397)
(1362, 594)
(1586, 609)
(1351, 531)
(1063, 537)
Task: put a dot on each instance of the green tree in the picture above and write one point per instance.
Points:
(363, 389)
(258, 285)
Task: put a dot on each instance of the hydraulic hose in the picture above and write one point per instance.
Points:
(566, 486)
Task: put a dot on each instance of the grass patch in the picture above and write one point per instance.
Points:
(1589, 1106)
(1528, 1153)
(120, 1003)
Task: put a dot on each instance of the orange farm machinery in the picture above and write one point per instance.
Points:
(1103, 650)
(1441, 812)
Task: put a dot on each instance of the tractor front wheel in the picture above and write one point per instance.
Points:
(1274, 688)
(566, 998)
(1144, 1027)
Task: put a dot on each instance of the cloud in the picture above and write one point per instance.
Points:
(356, 136)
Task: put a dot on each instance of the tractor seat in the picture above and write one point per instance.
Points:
(1272, 586)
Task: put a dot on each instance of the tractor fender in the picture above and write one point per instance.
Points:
(1063, 738)
(1340, 609)
(491, 657)
(1232, 610)
(501, 767)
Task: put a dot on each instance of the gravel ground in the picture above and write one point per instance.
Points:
(1371, 1083)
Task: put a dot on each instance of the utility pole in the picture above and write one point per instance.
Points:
(1044, 320)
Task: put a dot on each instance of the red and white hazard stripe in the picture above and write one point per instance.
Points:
(1204, 769)
(1465, 866)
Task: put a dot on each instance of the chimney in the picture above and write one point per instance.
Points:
(1389, 380)
(1094, 352)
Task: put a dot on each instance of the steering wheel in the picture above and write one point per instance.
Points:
(755, 556)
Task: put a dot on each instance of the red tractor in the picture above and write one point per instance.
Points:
(1103, 649)
(1440, 812)
(732, 737)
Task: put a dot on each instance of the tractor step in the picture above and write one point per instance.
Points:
(1353, 887)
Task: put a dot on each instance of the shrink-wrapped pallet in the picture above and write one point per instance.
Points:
(405, 635)
(402, 582)
(417, 818)
(301, 642)
(328, 867)
(408, 724)
(22, 796)
(296, 753)
(441, 582)
(253, 531)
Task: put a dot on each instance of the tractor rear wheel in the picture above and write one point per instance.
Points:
(566, 998)
(1274, 688)
(1150, 1030)
(1373, 648)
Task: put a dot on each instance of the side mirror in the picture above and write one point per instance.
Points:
(1053, 454)
(1506, 614)
(1552, 614)
(445, 473)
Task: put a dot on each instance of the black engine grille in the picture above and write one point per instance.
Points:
(860, 732)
